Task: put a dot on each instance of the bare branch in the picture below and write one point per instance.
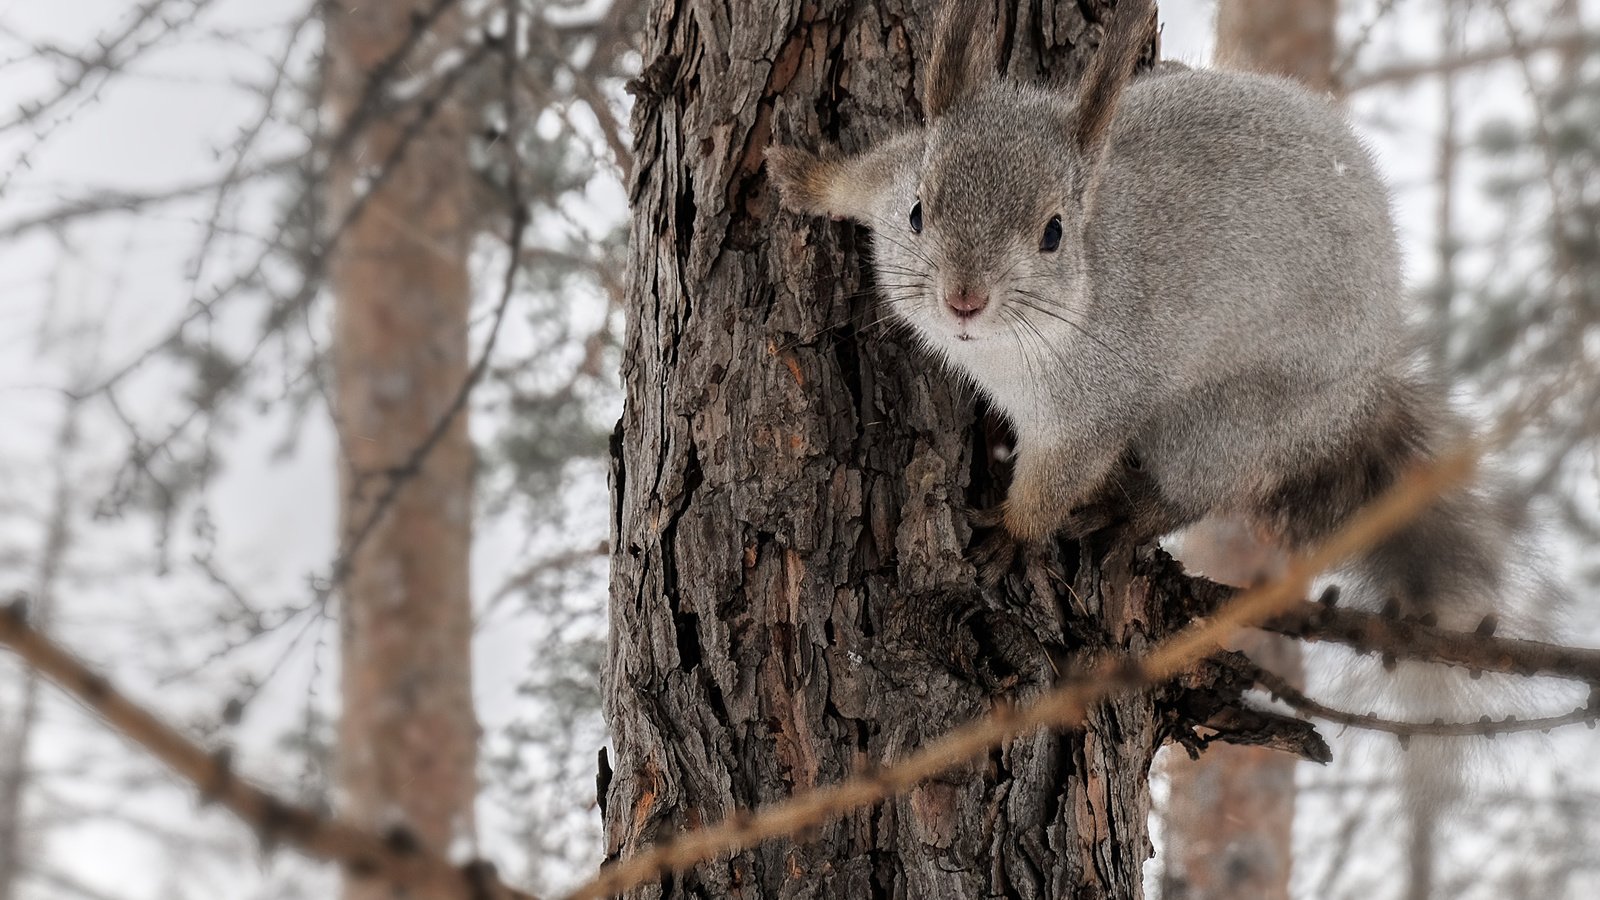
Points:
(1411, 639)
(16, 746)
(1484, 727)
(1411, 70)
(397, 858)
(111, 201)
(112, 52)
(367, 107)
(1353, 50)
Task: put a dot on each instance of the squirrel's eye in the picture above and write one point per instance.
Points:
(916, 217)
(1052, 236)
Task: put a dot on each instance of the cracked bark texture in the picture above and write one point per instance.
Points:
(791, 602)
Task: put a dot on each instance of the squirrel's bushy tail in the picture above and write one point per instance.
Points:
(1465, 561)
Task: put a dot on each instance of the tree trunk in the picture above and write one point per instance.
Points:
(1294, 38)
(1229, 819)
(1421, 825)
(408, 736)
(790, 598)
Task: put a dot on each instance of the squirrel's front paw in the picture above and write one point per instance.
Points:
(1086, 520)
(1009, 548)
(993, 517)
(994, 556)
(1002, 551)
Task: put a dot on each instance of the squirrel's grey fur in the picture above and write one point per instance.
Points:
(1225, 305)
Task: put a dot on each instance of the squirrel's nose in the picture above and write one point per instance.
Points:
(966, 303)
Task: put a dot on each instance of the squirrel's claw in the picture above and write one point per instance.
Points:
(993, 517)
(994, 557)
(1000, 552)
(1086, 520)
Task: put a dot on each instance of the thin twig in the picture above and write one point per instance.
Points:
(1484, 727)
(1411, 70)
(101, 202)
(1352, 51)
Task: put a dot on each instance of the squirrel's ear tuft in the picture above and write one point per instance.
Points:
(855, 187)
(1131, 29)
(803, 181)
(965, 54)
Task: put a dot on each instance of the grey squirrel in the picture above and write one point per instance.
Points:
(1196, 271)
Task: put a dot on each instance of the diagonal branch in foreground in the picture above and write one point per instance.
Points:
(1277, 606)
(1062, 707)
(396, 859)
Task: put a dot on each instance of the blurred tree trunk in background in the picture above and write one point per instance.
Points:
(1296, 38)
(1230, 819)
(790, 600)
(1447, 248)
(407, 741)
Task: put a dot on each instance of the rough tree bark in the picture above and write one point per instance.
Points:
(1229, 824)
(408, 736)
(790, 597)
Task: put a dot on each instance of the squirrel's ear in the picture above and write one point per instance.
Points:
(850, 188)
(804, 181)
(1132, 27)
(965, 54)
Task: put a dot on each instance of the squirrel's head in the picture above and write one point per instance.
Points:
(979, 218)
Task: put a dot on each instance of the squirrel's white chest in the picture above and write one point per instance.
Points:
(1012, 381)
